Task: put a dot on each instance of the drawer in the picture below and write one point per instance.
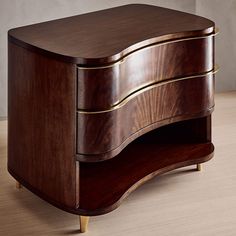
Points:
(100, 88)
(103, 134)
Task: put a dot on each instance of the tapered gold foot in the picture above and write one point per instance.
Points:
(18, 185)
(83, 223)
(199, 167)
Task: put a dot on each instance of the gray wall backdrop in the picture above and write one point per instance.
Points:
(224, 15)
(16, 13)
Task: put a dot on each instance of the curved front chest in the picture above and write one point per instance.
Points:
(103, 134)
(151, 87)
(133, 84)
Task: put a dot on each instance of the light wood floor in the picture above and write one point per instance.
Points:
(181, 203)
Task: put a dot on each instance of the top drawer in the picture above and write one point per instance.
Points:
(100, 88)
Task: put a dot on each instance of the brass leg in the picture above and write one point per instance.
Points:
(18, 185)
(199, 167)
(83, 223)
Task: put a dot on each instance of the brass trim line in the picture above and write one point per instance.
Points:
(122, 60)
(127, 99)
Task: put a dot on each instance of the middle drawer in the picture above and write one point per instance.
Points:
(103, 134)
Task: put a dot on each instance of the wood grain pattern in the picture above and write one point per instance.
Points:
(164, 149)
(102, 88)
(81, 39)
(61, 132)
(41, 124)
(177, 145)
(191, 147)
(102, 200)
(163, 103)
(162, 206)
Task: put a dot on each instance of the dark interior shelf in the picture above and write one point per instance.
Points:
(103, 185)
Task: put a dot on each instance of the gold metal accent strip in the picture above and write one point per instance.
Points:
(122, 60)
(142, 90)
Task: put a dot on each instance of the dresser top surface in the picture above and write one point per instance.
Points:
(105, 36)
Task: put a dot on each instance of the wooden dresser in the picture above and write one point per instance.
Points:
(100, 103)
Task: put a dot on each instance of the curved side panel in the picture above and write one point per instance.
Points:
(103, 135)
(41, 102)
(102, 87)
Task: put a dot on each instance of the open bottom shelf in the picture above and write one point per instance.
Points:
(103, 185)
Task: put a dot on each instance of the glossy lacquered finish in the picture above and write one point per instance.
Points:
(155, 106)
(100, 88)
(41, 124)
(106, 36)
(164, 149)
(100, 103)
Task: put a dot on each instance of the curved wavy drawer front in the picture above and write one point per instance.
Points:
(102, 87)
(149, 108)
